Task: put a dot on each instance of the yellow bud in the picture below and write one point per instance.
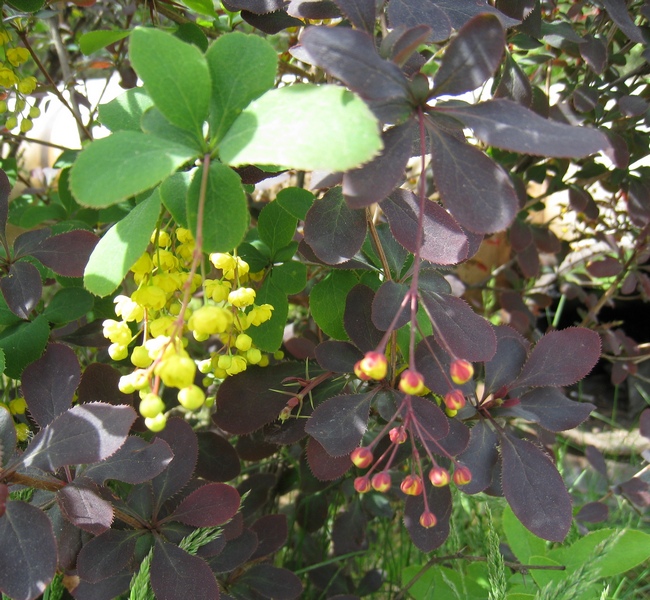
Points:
(191, 397)
(17, 56)
(26, 125)
(176, 371)
(7, 78)
(140, 357)
(243, 342)
(22, 431)
(27, 85)
(118, 351)
(34, 112)
(242, 297)
(127, 309)
(17, 406)
(151, 405)
(144, 264)
(156, 423)
(150, 296)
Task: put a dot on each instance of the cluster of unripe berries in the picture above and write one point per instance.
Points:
(159, 316)
(16, 85)
(16, 408)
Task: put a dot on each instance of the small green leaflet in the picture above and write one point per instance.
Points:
(327, 302)
(96, 40)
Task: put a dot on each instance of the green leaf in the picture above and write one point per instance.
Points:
(441, 583)
(154, 122)
(290, 277)
(327, 302)
(304, 127)
(203, 7)
(242, 68)
(23, 343)
(268, 336)
(2, 362)
(125, 111)
(122, 165)
(96, 40)
(191, 33)
(296, 201)
(521, 541)
(175, 75)
(286, 253)
(173, 193)
(225, 216)
(27, 5)
(68, 304)
(65, 196)
(121, 246)
(276, 226)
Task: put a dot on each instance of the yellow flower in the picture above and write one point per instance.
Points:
(177, 371)
(217, 290)
(17, 56)
(27, 85)
(208, 320)
(260, 314)
(7, 77)
(4, 36)
(242, 297)
(150, 296)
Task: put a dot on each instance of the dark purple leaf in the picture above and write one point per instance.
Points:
(67, 253)
(593, 512)
(618, 151)
(585, 99)
(644, 423)
(349, 531)
(312, 510)
(361, 13)
(177, 575)
(246, 402)
(69, 539)
(27, 552)
(514, 84)
(475, 190)
(472, 57)
(106, 555)
(434, 362)
(594, 52)
(632, 106)
(466, 334)
(561, 358)
(388, 303)
(182, 440)
(517, 9)
(617, 10)
(428, 421)
(50, 382)
(638, 202)
(411, 14)
(106, 589)
(323, 466)
(87, 433)
(455, 442)
(607, 267)
(439, 500)
(334, 231)
(528, 261)
(218, 460)
(236, 553)
(636, 490)
(508, 125)
(583, 202)
(210, 505)
(338, 357)
(81, 504)
(272, 532)
(270, 23)
(255, 446)
(5, 190)
(313, 9)
(7, 436)
(22, 288)
(596, 460)
(534, 489)
(375, 180)
(443, 241)
(99, 384)
(480, 456)
(340, 422)
(4, 495)
(401, 43)
(350, 55)
(258, 7)
(271, 582)
(28, 242)
(357, 318)
(508, 361)
(136, 461)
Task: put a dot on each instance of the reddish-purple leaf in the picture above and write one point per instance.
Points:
(236, 553)
(361, 13)
(582, 201)
(258, 7)
(22, 288)
(644, 423)
(272, 532)
(508, 125)
(480, 456)
(50, 382)
(106, 555)
(636, 490)
(466, 334)
(87, 433)
(136, 461)
(593, 512)
(99, 384)
(350, 55)
(401, 43)
(632, 106)
(67, 253)
(81, 504)
(4, 495)
(7, 436)
(387, 306)
(375, 180)
(270, 23)
(106, 589)
(218, 460)
(561, 358)
(534, 489)
(512, 349)
(357, 318)
(27, 551)
(5, 190)
(514, 84)
(410, 14)
(340, 422)
(210, 505)
(324, 466)
(455, 442)
(181, 438)
(28, 242)
(439, 501)
(443, 241)
(617, 10)
(271, 582)
(428, 422)
(472, 57)
(338, 357)
(177, 575)
(594, 52)
(596, 460)
(607, 267)
(334, 231)
(313, 9)
(476, 190)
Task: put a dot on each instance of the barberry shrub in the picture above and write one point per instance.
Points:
(164, 326)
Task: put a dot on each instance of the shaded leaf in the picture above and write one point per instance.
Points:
(327, 302)
(7, 436)
(480, 456)
(106, 589)
(560, 358)
(338, 357)
(617, 10)
(433, 424)
(388, 306)
(22, 288)
(522, 542)
(27, 552)
(324, 466)
(272, 532)
(106, 555)
(235, 554)
(99, 384)
(507, 362)
(125, 112)
(358, 318)
(644, 423)
(439, 501)
(313, 9)
(256, 6)
(50, 382)
(607, 267)
(84, 507)
(409, 14)
(594, 52)
(67, 305)
(154, 122)
(534, 489)
(514, 83)
(218, 460)
(276, 227)
(22, 344)
(91, 41)
(173, 193)
(5, 190)
(210, 505)
(67, 253)
(593, 512)
(596, 460)
(272, 582)
(361, 13)
(340, 422)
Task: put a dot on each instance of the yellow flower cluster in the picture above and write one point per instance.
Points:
(163, 311)
(17, 85)
(16, 408)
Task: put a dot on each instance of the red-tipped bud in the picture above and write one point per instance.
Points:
(454, 400)
(381, 481)
(461, 371)
(439, 477)
(428, 519)
(361, 457)
(359, 373)
(412, 485)
(462, 476)
(362, 485)
(412, 382)
(293, 402)
(397, 435)
(374, 365)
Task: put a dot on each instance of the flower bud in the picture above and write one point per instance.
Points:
(151, 405)
(439, 477)
(156, 423)
(411, 382)
(397, 435)
(428, 519)
(454, 399)
(362, 485)
(374, 365)
(462, 475)
(191, 397)
(461, 371)
(361, 457)
(412, 485)
(381, 481)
